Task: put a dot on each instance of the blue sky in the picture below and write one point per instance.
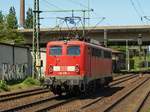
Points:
(117, 12)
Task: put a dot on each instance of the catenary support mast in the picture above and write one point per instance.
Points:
(36, 65)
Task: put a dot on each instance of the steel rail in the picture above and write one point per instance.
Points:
(122, 80)
(124, 96)
(141, 104)
(101, 98)
(25, 94)
(38, 101)
(18, 92)
(122, 77)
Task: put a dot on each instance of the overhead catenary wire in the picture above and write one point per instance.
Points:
(78, 3)
(140, 7)
(147, 18)
(87, 7)
(136, 10)
(95, 26)
(140, 14)
(50, 4)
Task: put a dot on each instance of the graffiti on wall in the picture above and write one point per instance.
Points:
(17, 71)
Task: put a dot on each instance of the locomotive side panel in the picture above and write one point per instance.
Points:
(87, 58)
(100, 63)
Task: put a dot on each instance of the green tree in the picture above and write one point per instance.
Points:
(1, 21)
(1, 18)
(2, 26)
(119, 48)
(8, 33)
(12, 22)
(11, 36)
(29, 19)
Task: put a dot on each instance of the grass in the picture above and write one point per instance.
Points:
(148, 110)
(3, 86)
(137, 62)
(27, 83)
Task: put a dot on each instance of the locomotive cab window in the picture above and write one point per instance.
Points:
(96, 52)
(55, 51)
(73, 50)
(107, 54)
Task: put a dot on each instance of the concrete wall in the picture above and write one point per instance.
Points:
(15, 62)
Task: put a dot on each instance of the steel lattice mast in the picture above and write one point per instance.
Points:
(36, 65)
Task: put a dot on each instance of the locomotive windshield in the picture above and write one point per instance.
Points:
(55, 50)
(73, 50)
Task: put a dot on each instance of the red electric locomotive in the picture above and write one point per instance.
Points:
(73, 66)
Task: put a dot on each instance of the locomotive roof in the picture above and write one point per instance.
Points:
(77, 42)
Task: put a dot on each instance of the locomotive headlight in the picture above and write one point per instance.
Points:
(77, 69)
(71, 68)
(56, 68)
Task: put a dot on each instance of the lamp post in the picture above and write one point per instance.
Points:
(105, 37)
(127, 56)
(140, 49)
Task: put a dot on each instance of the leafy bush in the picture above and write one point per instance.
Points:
(3, 85)
(30, 81)
(42, 80)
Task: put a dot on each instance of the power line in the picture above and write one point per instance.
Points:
(82, 5)
(75, 2)
(147, 18)
(50, 4)
(139, 4)
(78, 3)
(133, 5)
(142, 11)
(137, 11)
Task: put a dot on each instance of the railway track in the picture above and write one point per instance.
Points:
(47, 103)
(113, 105)
(119, 77)
(18, 108)
(21, 94)
(40, 105)
(122, 79)
(142, 103)
(108, 107)
(18, 92)
(92, 101)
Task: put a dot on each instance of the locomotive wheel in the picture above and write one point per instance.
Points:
(90, 89)
(59, 93)
(57, 90)
(76, 91)
(94, 87)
